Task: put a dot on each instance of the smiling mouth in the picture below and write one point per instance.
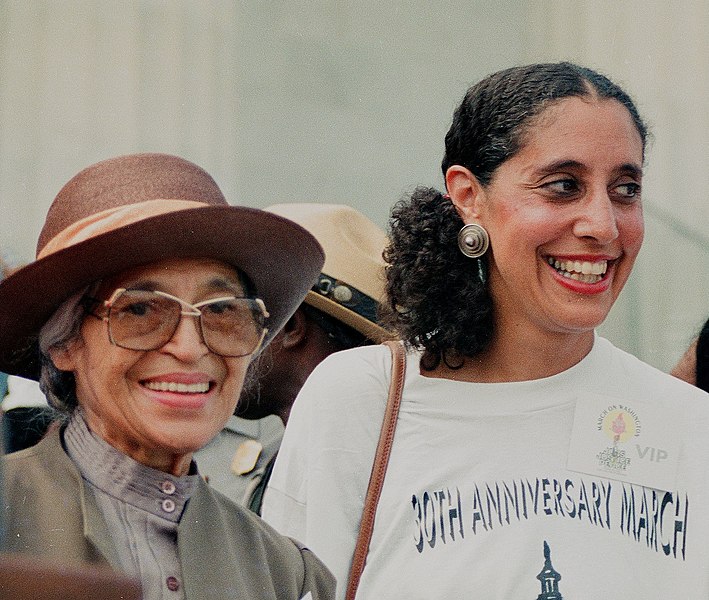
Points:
(580, 270)
(180, 388)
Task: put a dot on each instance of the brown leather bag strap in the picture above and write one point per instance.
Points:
(379, 468)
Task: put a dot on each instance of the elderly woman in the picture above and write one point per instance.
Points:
(149, 297)
(531, 458)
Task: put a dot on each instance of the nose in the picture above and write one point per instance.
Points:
(597, 219)
(187, 343)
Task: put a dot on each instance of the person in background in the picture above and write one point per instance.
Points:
(149, 297)
(339, 312)
(26, 416)
(531, 457)
(693, 366)
(24, 413)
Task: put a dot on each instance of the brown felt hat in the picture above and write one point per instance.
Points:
(351, 286)
(141, 208)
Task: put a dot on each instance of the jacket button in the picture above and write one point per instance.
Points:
(173, 584)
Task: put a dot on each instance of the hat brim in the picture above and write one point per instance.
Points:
(280, 258)
(359, 323)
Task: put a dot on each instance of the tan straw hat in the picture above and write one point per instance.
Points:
(351, 285)
(138, 209)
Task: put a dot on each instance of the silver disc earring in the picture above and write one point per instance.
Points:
(473, 240)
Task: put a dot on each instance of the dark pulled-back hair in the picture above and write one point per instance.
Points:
(489, 124)
(436, 301)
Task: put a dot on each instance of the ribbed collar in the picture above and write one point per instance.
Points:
(121, 477)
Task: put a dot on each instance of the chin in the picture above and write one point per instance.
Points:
(184, 441)
(585, 325)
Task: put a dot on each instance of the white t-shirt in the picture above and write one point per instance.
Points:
(479, 499)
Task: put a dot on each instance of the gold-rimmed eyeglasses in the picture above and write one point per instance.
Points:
(230, 326)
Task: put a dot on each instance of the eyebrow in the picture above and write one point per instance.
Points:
(222, 283)
(627, 168)
(214, 284)
(631, 169)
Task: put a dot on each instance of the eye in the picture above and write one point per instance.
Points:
(628, 190)
(137, 309)
(137, 303)
(234, 311)
(562, 187)
(220, 307)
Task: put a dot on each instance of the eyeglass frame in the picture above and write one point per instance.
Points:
(89, 302)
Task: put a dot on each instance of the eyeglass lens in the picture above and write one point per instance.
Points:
(145, 320)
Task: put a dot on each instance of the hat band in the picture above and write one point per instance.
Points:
(345, 295)
(112, 219)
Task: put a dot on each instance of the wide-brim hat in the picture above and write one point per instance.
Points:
(351, 287)
(137, 209)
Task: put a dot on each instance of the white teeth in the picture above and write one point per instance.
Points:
(182, 388)
(581, 277)
(584, 271)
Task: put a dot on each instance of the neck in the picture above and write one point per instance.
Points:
(176, 464)
(161, 459)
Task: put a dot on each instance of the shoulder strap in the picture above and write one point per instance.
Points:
(381, 459)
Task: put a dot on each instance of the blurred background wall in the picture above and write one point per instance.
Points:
(348, 102)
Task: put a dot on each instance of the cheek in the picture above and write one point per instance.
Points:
(519, 224)
(107, 371)
(515, 243)
(235, 374)
(632, 227)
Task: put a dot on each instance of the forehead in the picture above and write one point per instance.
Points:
(584, 124)
(593, 133)
(179, 273)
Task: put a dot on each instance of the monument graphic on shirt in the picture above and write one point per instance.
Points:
(549, 578)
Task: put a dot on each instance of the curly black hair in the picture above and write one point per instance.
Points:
(436, 301)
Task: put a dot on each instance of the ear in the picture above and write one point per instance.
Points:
(63, 358)
(294, 331)
(465, 192)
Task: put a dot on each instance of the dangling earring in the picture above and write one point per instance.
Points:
(473, 240)
(482, 274)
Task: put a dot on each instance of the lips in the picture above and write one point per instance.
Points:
(584, 271)
(181, 388)
(178, 388)
(180, 391)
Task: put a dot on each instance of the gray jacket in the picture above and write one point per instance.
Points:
(226, 552)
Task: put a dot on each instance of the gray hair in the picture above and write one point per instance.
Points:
(60, 331)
